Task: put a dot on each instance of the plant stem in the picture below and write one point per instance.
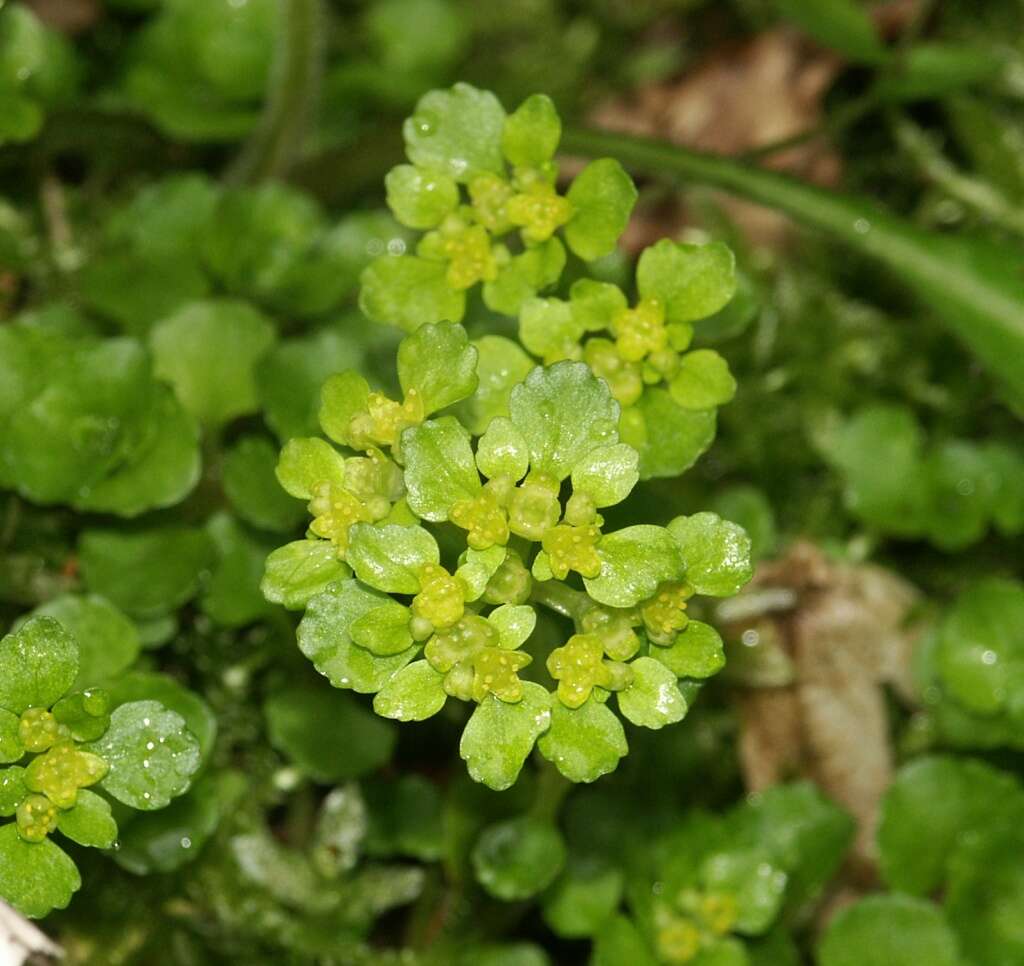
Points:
(559, 597)
(291, 93)
(937, 168)
(552, 788)
(976, 289)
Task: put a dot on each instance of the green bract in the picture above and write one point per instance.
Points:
(444, 516)
(60, 744)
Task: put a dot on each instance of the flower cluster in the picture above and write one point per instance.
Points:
(445, 512)
(430, 548)
(59, 744)
(483, 187)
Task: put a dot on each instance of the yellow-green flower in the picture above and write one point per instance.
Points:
(578, 667)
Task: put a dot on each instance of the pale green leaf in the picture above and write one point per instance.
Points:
(151, 753)
(35, 877)
(306, 462)
(691, 281)
(716, 553)
(607, 474)
(499, 736)
(514, 622)
(602, 196)
(438, 363)
(89, 821)
(324, 638)
(419, 198)
(409, 291)
(583, 743)
(38, 664)
(502, 365)
(564, 412)
(439, 467)
(696, 652)
(208, 353)
(415, 693)
(668, 438)
(389, 558)
(653, 700)
(108, 642)
(476, 567)
(502, 451)
(532, 132)
(549, 328)
(384, 630)
(10, 743)
(703, 381)
(299, 570)
(889, 930)
(634, 561)
(456, 131)
(523, 276)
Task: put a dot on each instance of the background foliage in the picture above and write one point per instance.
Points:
(191, 189)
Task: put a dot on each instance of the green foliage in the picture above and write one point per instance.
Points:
(372, 511)
(951, 492)
(889, 930)
(141, 753)
(503, 234)
(474, 542)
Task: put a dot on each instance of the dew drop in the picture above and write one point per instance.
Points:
(186, 842)
(862, 226)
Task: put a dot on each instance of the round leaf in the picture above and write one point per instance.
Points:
(668, 438)
(389, 558)
(419, 198)
(151, 753)
(696, 652)
(299, 570)
(499, 736)
(515, 860)
(89, 821)
(415, 693)
(108, 642)
(35, 877)
(208, 352)
(607, 474)
(716, 553)
(891, 930)
(653, 700)
(583, 743)
(438, 363)
(633, 562)
(439, 467)
(564, 412)
(602, 196)
(457, 132)
(38, 664)
(532, 132)
(323, 637)
(409, 291)
(703, 381)
(691, 281)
